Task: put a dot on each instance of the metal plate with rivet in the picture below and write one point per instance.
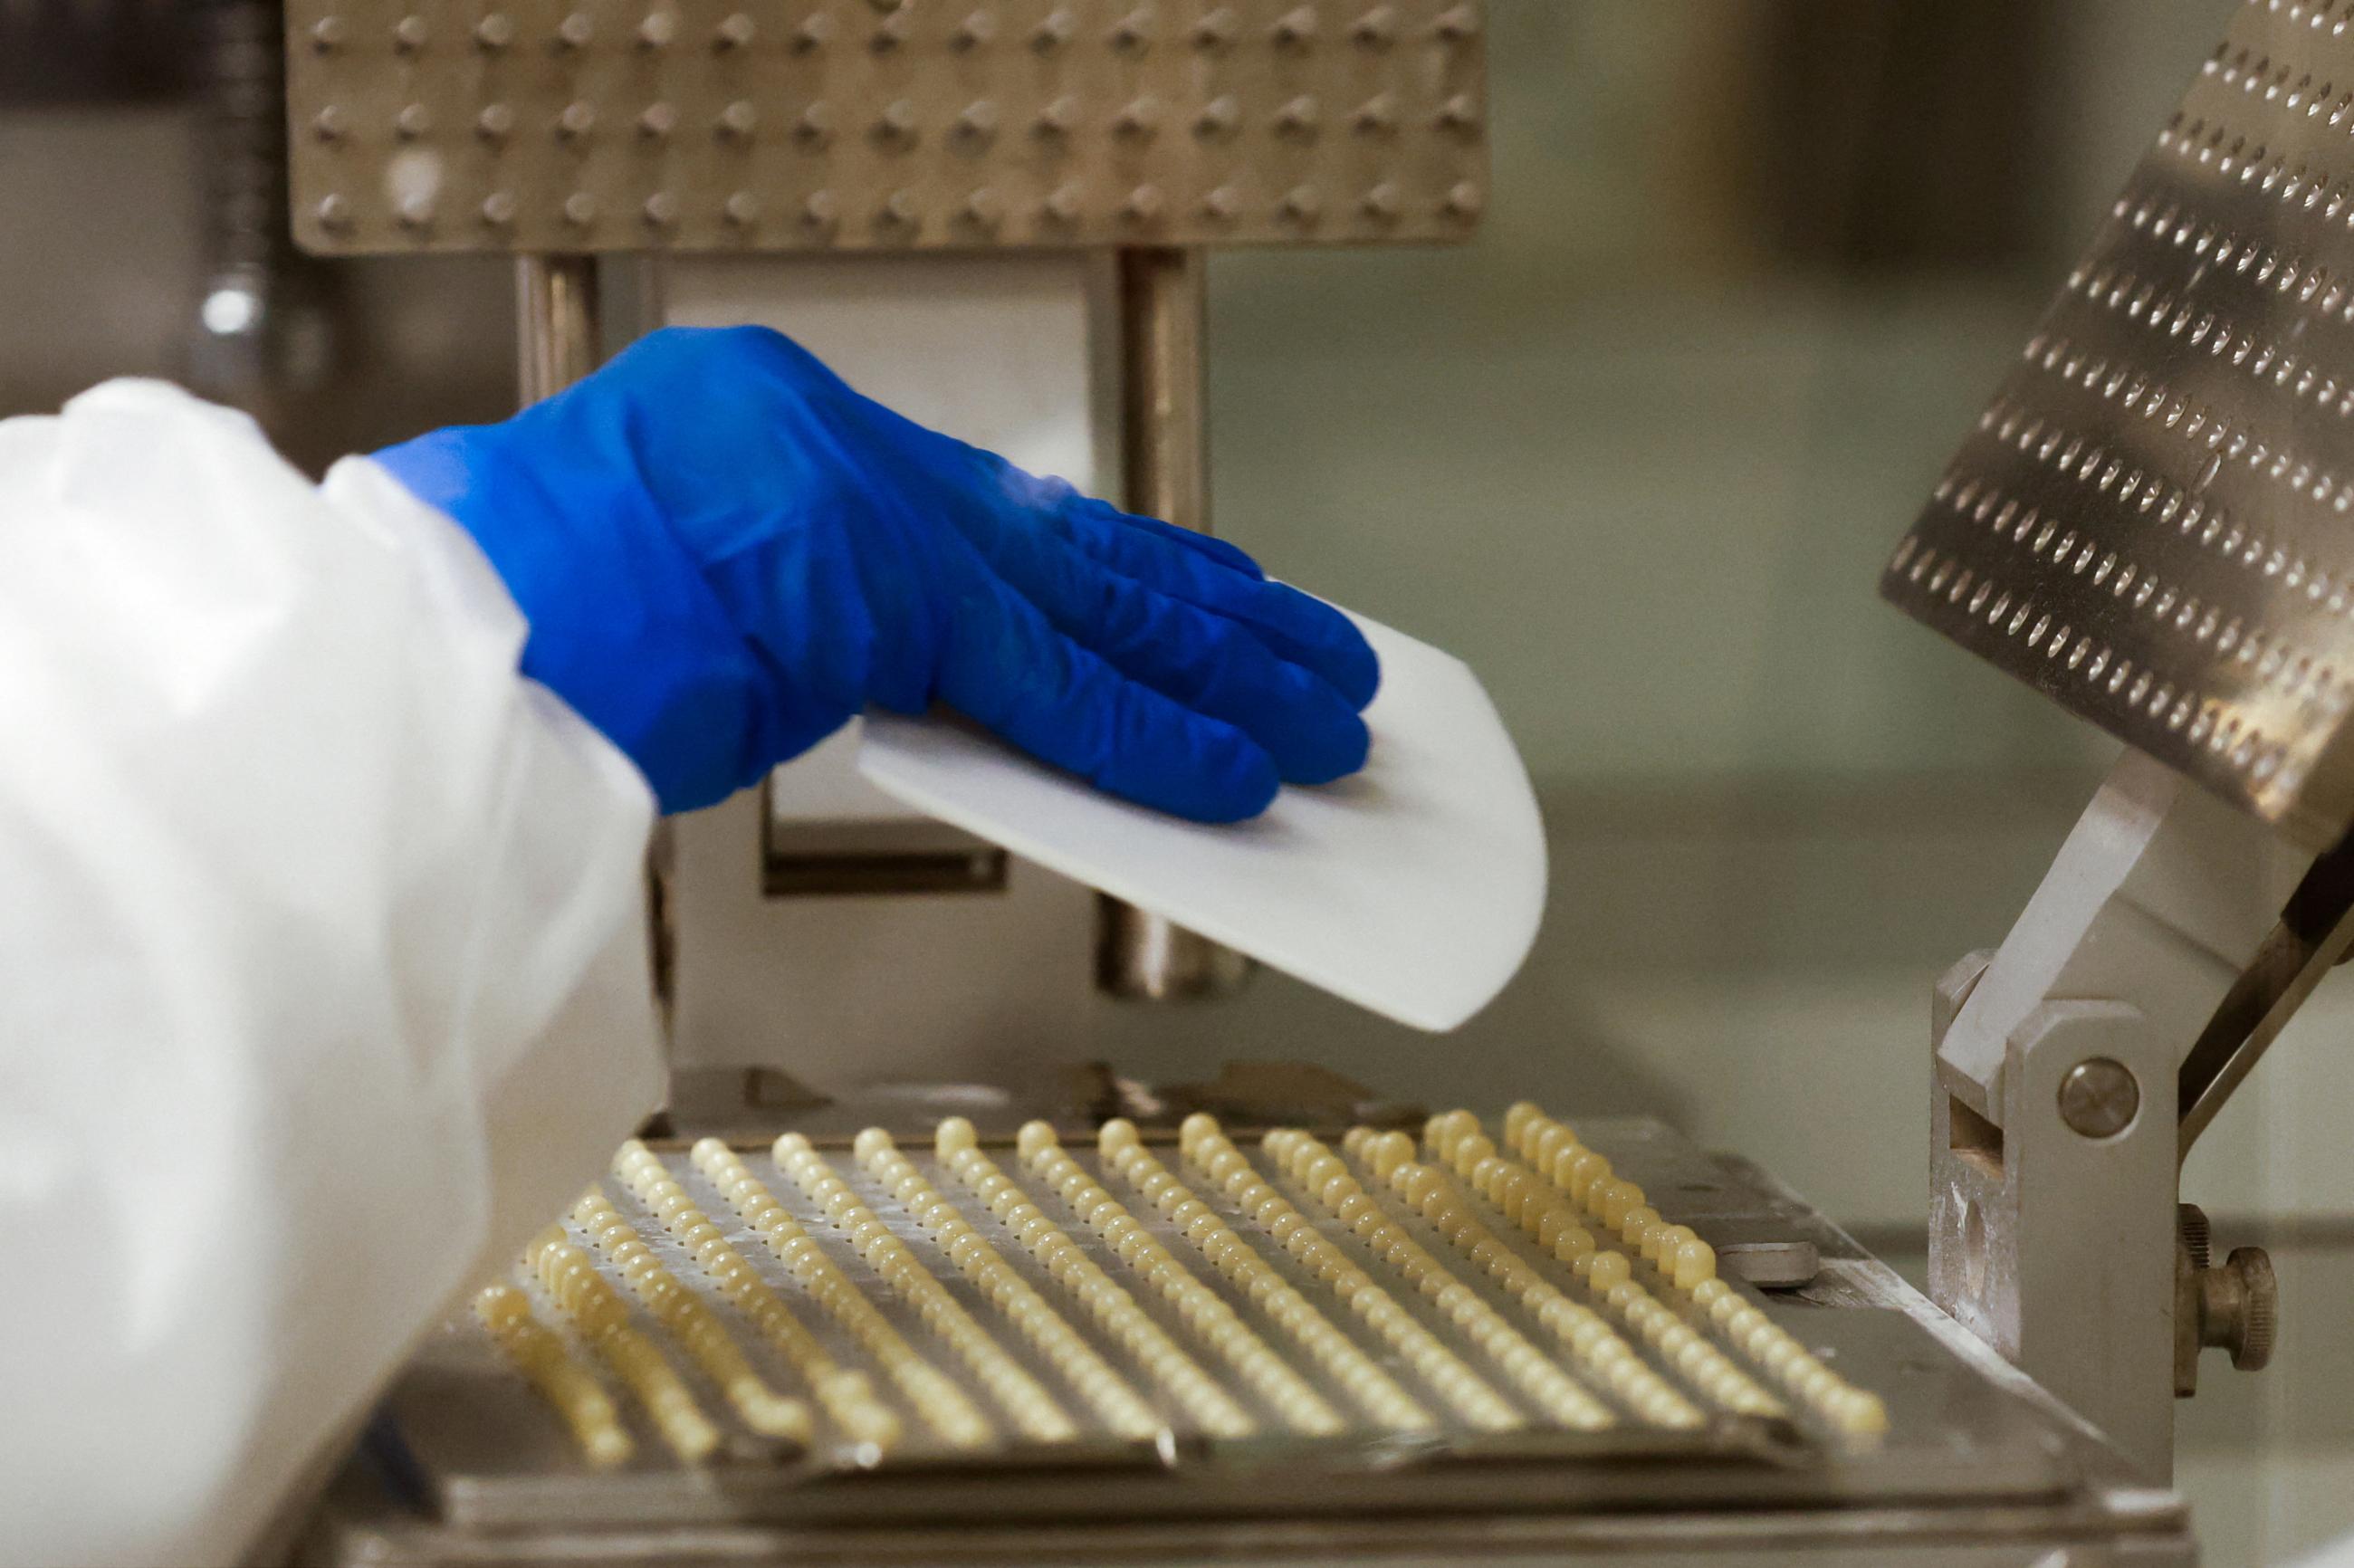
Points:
(2153, 522)
(425, 125)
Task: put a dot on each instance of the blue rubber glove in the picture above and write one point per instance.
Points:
(724, 553)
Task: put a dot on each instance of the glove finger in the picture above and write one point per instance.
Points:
(1300, 628)
(1005, 667)
(1232, 556)
(1209, 664)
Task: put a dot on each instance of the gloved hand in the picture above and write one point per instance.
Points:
(725, 553)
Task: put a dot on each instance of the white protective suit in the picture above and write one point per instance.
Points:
(322, 973)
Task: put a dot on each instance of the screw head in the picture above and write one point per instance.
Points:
(2099, 1098)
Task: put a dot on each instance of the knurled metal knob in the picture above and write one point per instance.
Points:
(2248, 1330)
(2197, 1234)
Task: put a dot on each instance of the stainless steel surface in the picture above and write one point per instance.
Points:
(464, 1465)
(2149, 525)
(556, 322)
(2099, 1098)
(1165, 448)
(845, 124)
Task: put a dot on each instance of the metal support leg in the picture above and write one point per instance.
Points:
(1165, 438)
(556, 323)
(560, 341)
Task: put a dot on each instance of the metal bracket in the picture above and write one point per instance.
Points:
(2055, 1247)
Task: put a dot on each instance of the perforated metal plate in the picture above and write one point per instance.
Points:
(576, 125)
(2154, 522)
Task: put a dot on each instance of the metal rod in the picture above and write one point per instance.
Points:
(560, 341)
(556, 323)
(1165, 459)
(2316, 932)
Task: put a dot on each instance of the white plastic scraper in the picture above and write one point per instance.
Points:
(1414, 889)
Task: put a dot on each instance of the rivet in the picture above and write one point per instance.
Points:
(499, 208)
(983, 209)
(1055, 31)
(580, 210)
(416, 210)
(812, 34)
(1457, 23)
(815, 125)
(739, 119)
(412, 122)
(660, 209)
(1216, 29)
(1143, 204)
(979, 120)
(1135, 29)
(897, 120)
(1381, 203)
(1222, 202)
(1465, 200)
(328, 34)
(899, 208)
(742, 208)
(576, 30)
(737, 30)
(2099, 1098)
(1057, 118)
(409, 34)
(1296, 27)
(495, 123)
(975, 30)
(1377, 28)
(1065, 203)
(658, 31)
(890, 34)
(1298, 117)
(495, 32)
(577, 120)
(821, 210)
(1460, 113)
(330, 124)
(1141, 118)
(1377, 116)
(334, 212)
(1218, 117)
(658, 121)
(1302, 203)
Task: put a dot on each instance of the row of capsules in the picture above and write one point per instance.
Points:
(1177, 1374)
(937, 1400)
(540, 1354)
(1210, 1317)
(1062, 1347)
(1558, 1161)
(861, 1417)
(1606, 1273)
(1122, 1153)
(1034, 1412)
(1597, 1352)
(694, 1327)
(1204, 1145)
(569, 1277)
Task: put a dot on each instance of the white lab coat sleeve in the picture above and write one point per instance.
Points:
(322, 975)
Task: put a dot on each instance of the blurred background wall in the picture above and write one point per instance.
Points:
(1751, 267)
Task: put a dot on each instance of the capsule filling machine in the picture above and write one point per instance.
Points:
(994, 216)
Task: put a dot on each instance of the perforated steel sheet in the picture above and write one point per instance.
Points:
(578, 125)
(2153, 522)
